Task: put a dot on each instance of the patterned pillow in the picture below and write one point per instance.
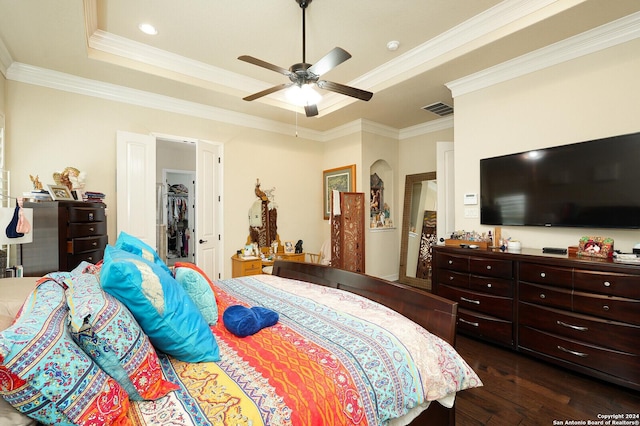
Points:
(136, 246)
(160, 305)
(108, 333)
(199, 287)
(45, 374)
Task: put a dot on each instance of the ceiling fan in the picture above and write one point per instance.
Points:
(302, 75)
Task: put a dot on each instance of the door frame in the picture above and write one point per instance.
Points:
(219, 185)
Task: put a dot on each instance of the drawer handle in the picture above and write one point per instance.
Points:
(605, 307)
(580, 354)
(450, 262)
(575, 327)
(450, 278)
(91, 217)
(542, 296)
(94, 244)
(489, 285)
(477, 302)
(92, 229)
(542, 274)
(90, 258)
(475, 324)
(489, 267)
(607, 284)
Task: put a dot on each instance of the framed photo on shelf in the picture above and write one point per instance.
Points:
(341, 179)
(60, 193)
(289, 247)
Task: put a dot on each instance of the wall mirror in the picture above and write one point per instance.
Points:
(419, 229)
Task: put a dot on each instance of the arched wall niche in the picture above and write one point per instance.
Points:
(381, 196)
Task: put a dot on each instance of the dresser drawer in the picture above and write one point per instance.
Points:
(455, 279)
(87, 229)
(83, 244)
(491, 267)
(86, 214)
(542, 274)
(487, 327)
(544, 295)
(450, 261)
(89, 256)
(610, 334)
(616, 363)
(618, 308)
(496, 286)
(608, 283)
(501, 307)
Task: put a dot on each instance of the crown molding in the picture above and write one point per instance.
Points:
(426, 128)
(69, 83)
(614, 33)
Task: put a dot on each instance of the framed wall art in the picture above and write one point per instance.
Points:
(341, 179)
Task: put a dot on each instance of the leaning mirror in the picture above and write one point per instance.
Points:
(418, 229)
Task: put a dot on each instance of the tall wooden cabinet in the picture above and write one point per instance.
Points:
(64, 234)
(576, 312)
(347, 233)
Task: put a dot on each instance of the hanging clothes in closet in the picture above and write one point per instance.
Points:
(177, 221)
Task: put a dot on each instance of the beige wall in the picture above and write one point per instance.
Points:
(587, 98)
(48, 130)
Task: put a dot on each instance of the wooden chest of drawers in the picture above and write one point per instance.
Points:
(483, 287)
(578, 313)
(585, 319)
(65, 233)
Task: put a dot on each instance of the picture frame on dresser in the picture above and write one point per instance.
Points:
(60, 193)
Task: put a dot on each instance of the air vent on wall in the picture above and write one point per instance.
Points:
(439, 108)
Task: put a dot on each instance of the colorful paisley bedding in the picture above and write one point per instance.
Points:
(333, 358)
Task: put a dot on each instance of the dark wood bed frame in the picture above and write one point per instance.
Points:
(434, 313)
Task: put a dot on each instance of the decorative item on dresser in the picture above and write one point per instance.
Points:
(577, 312)
(64, 234)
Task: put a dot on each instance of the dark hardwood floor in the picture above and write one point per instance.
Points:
(520, 390)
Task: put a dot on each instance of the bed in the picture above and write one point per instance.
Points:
(293, 372)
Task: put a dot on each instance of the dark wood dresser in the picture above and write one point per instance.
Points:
(64, 234)
(577, 312)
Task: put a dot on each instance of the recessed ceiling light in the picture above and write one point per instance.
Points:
(148, 29)
(393, 45)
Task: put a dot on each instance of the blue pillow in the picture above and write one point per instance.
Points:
(160, 305)
(243, 321)
(136, 246)
(197, 286)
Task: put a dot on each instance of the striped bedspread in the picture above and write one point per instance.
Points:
(334, 358)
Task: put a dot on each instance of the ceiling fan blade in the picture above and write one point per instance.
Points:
(311, 110)
(329, 61)
(267, 91)
(263, 64)
(363, 95)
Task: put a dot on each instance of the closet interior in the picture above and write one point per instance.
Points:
(178, 195)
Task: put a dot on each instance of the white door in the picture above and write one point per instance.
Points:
(446, 196)
(208, 239)
(135, 186)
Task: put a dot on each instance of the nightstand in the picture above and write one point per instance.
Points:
(241, 267)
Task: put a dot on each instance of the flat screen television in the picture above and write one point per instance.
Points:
(594, 184)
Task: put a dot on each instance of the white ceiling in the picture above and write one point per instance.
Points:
(194, 56)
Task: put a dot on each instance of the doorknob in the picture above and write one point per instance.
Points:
(202, 241)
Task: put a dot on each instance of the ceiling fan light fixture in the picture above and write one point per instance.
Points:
(303, 95)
